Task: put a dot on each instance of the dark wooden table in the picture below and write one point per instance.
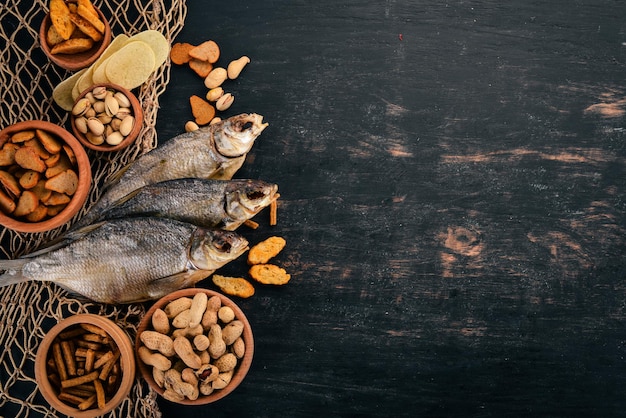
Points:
(453, 187)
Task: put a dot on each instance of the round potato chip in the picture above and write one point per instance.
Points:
(99, 75)
(131, 66)
(62, 93)
(159, 44)
(86, 80)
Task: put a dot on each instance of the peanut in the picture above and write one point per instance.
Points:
(177, 306)
(174, 380)
(239, 347)
(226, 363)
(223, 379)
(232, 331)
(197, 309)
(201, 342)
(191, 126)
(215, 78)
(217, 346)
(236, 66)
(188, 332)
(156, 360)
(184, 350)
(160, 321)
(158, 342)
(226, 314)
(182, 319)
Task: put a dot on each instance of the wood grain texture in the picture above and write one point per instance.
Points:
(452, 179)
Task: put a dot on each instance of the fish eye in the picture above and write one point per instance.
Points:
(253, 195)
(246, 126)
(222, 245)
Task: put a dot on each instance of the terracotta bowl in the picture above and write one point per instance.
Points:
(137, 112)
(125, 377)
(75, 62)
(83, 169)
(243, 364)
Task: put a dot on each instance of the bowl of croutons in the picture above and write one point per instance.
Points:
(85, 366)
(45, 176)
(194, 346)
(74, 33)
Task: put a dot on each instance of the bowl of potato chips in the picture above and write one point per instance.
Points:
(74, 33)
(45, 176)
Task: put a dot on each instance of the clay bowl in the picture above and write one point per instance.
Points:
(82, 169)
(243, 364)
(75, 62)
(137, 113)
(125, 378)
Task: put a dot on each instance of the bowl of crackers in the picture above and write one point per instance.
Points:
(85, 366)
(194, 346)
(74, 33)
(45, 176)
(106, 117)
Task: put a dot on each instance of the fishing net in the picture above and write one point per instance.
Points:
(27, 79)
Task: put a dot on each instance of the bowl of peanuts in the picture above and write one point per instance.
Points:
(45, 176)
(85, 366)
(106, 117)
(194, 346)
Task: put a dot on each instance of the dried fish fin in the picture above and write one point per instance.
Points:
(177, 281)
(64, 240)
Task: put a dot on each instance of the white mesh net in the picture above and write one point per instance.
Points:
(27, 79)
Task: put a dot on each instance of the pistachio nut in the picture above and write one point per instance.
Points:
(127, 125)
(115, 138)
(81, 124)
(214, 94)
(95, 126)
(224, 102)
(81, 107)
(122, 99)
(111, 105)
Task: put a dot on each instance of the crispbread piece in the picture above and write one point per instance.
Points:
(86, 11)
(40, 191)
(60, 18)
(179, 53)
(202, 110)
(234, 286)
(57, 198)
(207, 51)
(269, 274)
(27, 158)
(202, 68)
(7, 154)
(62, 165)
(10, 183)
(264, 251)
(86, 27)
(72, 46)
(53, 37)
(29, 179)
(65, 182)
(6, 203)
(38, 215)
(38, 148)
(22, 136)
(26, 204)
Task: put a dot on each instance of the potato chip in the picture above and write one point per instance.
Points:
(86, 80)
(131, 66)
(159, 44)
(62, 93)
(98, 75)
(60, 18)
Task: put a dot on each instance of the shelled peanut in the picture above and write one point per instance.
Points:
(194, 346)
(84, 364)
(202, 59)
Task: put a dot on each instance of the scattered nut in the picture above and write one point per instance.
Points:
(224, 102)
